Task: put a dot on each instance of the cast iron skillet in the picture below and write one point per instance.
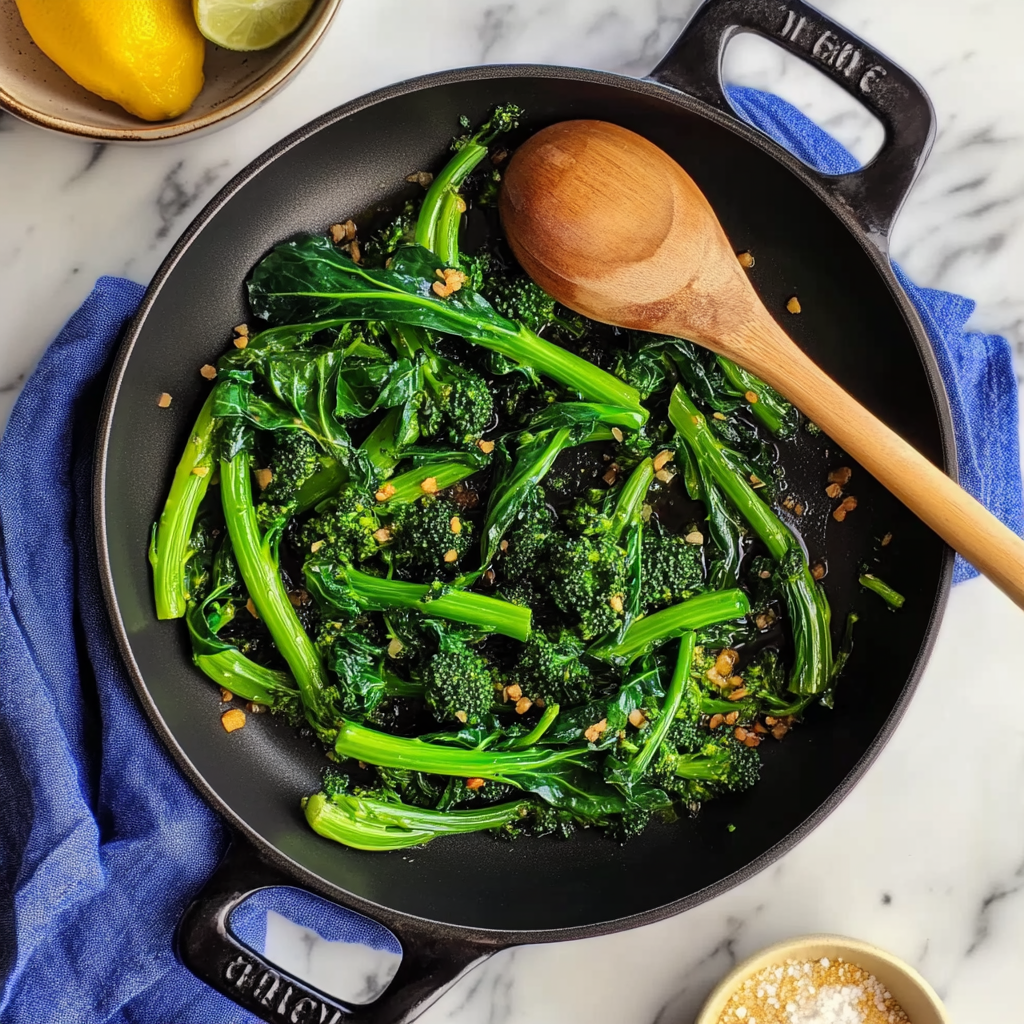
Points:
(824, 238)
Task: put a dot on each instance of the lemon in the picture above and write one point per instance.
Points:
(249, 24)
(146, 55)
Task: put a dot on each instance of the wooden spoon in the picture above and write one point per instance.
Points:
(615, 229)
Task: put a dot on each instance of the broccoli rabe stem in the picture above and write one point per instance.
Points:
(379, 449)
(805, 600)
(536, 734)
(695, 613)
(690, 422)
(447, 237)
(891, 597)
(437, 225)
(258, 566)
(434, 228)
(387, 751)
(340, 586)
(169, 548)
(407, 487)
(631, 499)
(655, 736)
(244, 678)
(367, 824)
(320, 485)
(769, 408)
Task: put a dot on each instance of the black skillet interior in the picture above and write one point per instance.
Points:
(852, 325)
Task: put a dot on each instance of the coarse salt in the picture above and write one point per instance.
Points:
(812, 992)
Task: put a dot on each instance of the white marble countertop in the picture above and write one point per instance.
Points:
(926, 857)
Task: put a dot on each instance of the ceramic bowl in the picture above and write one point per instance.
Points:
(35, 89)
(916, 997)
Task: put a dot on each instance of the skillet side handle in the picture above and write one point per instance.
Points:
(432, 960)
(875, 193)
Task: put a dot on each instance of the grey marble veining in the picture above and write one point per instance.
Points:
(926, 857)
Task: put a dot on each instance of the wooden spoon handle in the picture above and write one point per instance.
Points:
(961, 521)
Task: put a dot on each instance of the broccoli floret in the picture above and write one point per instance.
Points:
(519, 298)
(457, 682)
(291, 461)
(504, 118)
(633, 820)
(399, 231)
(553, 669)
(545, 820)
(343, 528)
(425, 533)
(587, 580)
(672, 569)
(463, 399)
(722, 765)
(587, 519)
(529, 543)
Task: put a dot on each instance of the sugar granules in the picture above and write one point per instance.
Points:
(812, 992)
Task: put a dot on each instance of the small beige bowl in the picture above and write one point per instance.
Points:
(916, 997)
(34, 88)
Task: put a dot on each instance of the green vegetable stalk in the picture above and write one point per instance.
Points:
(437, 226)
(368, 824)
(652, 742)
(891, 597)
(380, 748)
(350, 590)
(258, 567)
(768, 406)
(696, 613)
(805, 600)
(309, 280)
(169, 547)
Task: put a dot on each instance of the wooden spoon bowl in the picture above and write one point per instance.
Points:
(615, 229)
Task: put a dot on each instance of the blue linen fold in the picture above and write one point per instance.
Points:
(102, 841)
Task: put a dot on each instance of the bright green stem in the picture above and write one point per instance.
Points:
(891, 597)
(375, 825)
(169, 549)
(446, 183)
(805, 601)
(408, 486)
(258, 566)
(673, 698)
(332, 475)
(320, 485)
(515, 342)
(537, 732)
(387, 751)
(631, 499)
(447, 238)
(690, 422)
(373, 593)
(771, 410)
(244, 678)
(695, 613)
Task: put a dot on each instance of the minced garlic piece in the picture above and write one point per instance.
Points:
(232, 719)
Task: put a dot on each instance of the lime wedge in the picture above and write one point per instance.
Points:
(249, 24)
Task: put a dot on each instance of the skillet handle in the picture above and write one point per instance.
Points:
(873, 194)
(432, 959)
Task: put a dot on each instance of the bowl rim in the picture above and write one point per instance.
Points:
(713, 1006)
(269, 83)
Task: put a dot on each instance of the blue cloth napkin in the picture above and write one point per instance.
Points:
(102, 842)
